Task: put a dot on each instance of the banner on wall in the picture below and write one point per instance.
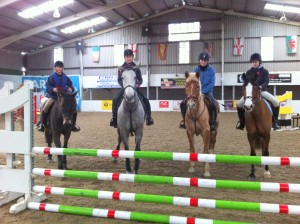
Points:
(39, 85)
(96, 53)
(133, 48)
(208, 48)
(162, 51)
(172, 83)
(291, 42)
(238, 46)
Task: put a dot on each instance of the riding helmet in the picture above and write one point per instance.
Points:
(203, 56)
(255, 56)
(128, 52)
(59, 64)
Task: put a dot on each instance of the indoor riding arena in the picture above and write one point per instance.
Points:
(99, 72)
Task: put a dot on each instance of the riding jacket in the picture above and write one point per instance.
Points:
(261, 76)
(207, 79)
(55, 80)
(139, 78)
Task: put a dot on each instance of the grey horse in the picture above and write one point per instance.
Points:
(131, 116)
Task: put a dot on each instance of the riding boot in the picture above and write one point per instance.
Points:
(116, 103)
(75, 127)
(147, 107)
(44, 117)
(275, 124)
(241, 123)
(213, 118)
(183, 112)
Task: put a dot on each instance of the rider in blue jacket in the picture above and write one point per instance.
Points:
(57, 81)
(207, 79)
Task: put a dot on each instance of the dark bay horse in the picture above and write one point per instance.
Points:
(258, 120)
(60, 123)
(131, 115)
(197, 118)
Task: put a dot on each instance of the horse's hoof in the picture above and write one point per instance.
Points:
(49, 161)
(115, 160)
(207, 174)
(136, 172)
(191, 170)
(252, 177)
(267, 174)
(128, 172)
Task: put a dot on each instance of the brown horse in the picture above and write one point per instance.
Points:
(197, 118)
(258, 120)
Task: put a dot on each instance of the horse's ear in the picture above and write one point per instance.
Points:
(198, 75)
(74, 94)
(136, 67)
(187, 74)
(120, 68)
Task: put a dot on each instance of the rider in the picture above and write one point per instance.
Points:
(128, 56)
(57, 81)
(262, 81)
(207, 80)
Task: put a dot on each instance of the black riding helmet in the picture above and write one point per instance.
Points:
(59, 64)
(128, 52)
(203, 56)
(256, 56)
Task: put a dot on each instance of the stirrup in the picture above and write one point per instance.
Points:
(149, 121)
(182, 125)
(275, 126)
(41, 128)
(75, 128)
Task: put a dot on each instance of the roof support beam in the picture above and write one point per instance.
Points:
(4, 3)
(100, 9)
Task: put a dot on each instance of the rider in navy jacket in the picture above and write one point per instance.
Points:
(128, 56)
(56, 82)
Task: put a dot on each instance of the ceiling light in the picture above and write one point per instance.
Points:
(44, 7)
(131, 18)
(120, 23)
(282, 8)
(24, 53)
(84, 25)
(56, 13)
(91, 30)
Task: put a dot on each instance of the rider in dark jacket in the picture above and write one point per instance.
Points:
(57, 81)
(261, 76)
(128, 56)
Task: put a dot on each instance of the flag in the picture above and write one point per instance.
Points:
(96, 53)
(238, 46)
(133, 48)
(208, 48)
(291, 42)
(162, 51)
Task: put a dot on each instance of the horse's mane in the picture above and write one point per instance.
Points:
(192, 77)
(249, 77)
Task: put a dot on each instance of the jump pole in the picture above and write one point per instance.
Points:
(177, 181)
(211, 158)
(164, 199)
(124, 215)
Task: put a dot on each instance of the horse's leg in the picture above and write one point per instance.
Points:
(56, 140)
(48, 139)
(64, 157)
(118, 146)
(125, 136)
(206, 141)
(190, 136)
(251, 139)
(138, 139)
(265, 152)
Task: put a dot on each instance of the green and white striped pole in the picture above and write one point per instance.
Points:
(211, 158)
(179, 181)
(164, 199)
(124, 215)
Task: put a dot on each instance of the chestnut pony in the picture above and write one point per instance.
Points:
(258, 120)
(197, 118)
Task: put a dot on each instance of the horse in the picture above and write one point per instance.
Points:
(131, 116)
(258, 121)
(59, 118)
(197, 118)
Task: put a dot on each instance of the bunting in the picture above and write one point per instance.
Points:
(291, 42)
(162, 51)
(96, 53)
(238, 46)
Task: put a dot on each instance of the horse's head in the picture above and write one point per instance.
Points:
(192, 88)
(68, 106)
(129, 82)
(252, 95)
